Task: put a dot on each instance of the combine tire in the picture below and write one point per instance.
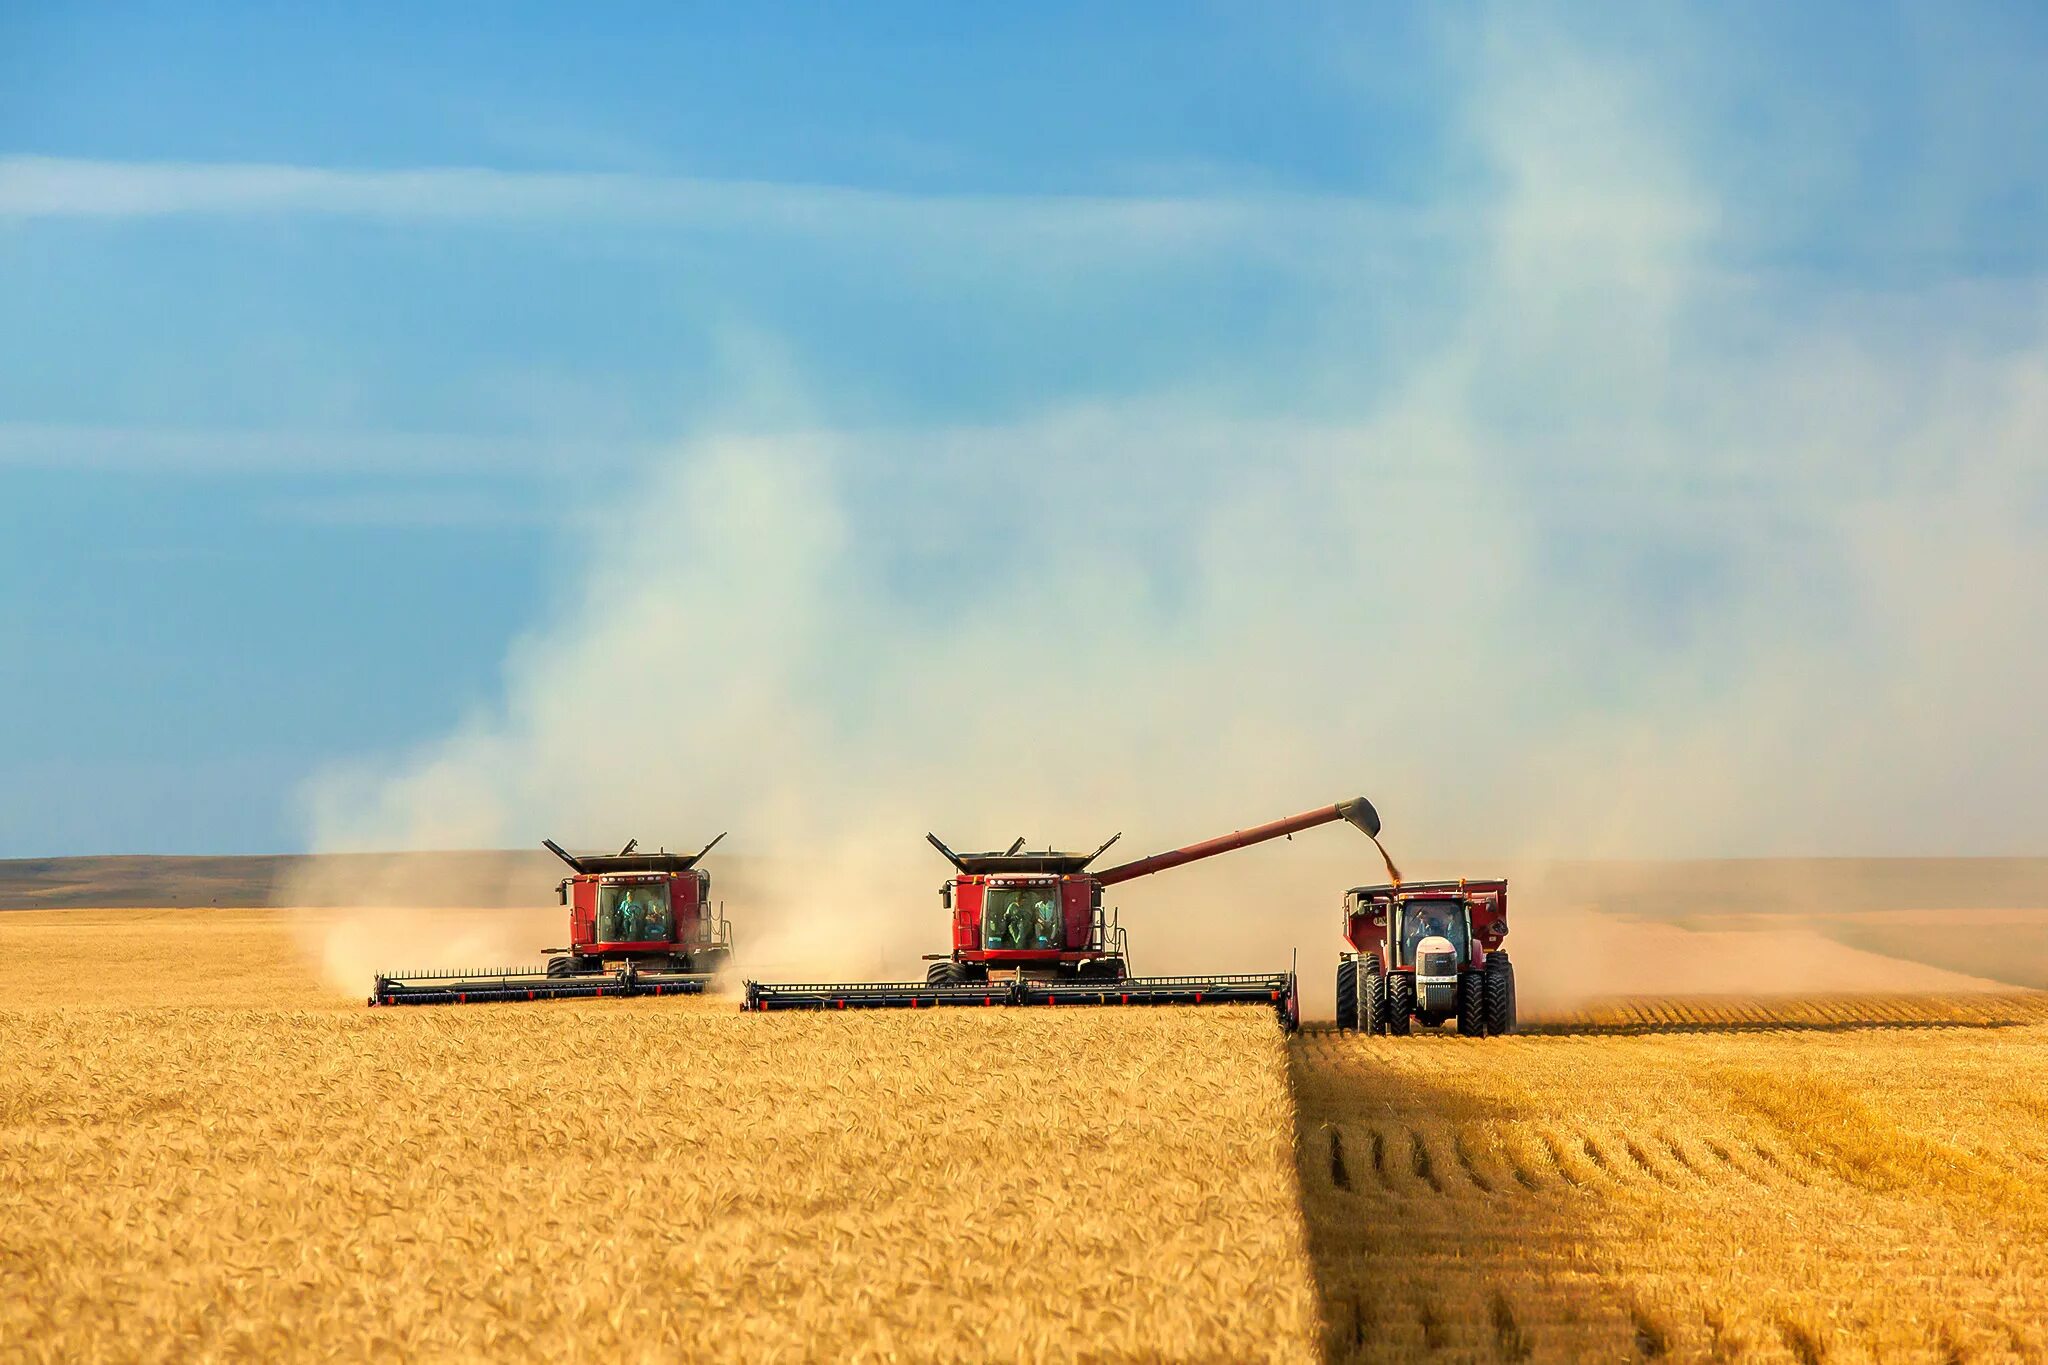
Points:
(948, 973)
(1347, 995)
(1400, 1003)
(1472, 1004)
(565, 965)
(1500, 994)
(1372, 997)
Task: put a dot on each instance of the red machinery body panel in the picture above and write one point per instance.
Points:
(1075, 939)
(685, 920)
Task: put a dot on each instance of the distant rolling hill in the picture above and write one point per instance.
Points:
(479, 877)
(1681, 890)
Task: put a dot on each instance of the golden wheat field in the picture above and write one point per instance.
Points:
(210, 1157)
(626, 1180)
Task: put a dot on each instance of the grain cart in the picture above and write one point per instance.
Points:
(639, 924)
(1028, 928)
(1429, 951)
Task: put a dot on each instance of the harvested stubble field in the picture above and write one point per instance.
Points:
(288, 1175)
(1838, 1180)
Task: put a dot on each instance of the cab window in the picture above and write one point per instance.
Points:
(1021, 917)
(633, 912)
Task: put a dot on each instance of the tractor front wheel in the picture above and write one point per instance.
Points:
(1372, 997)
(1472, 1004)
(1347, 995)
(1500, 994)
(1400, 1003)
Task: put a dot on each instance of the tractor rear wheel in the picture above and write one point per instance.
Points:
(1400, 1003)
(1347, 995)
(947, 973)
(1372, 997)
(1500, 994)
(1472, 1004)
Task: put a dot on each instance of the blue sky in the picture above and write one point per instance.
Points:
(333, 342)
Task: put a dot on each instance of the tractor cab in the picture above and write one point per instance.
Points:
(1467, 918)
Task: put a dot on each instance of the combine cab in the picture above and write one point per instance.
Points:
(1029, 929)
(639, 924)
(1428, 951)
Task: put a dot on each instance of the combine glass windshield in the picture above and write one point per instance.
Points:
(632, 912)
(1021, 917)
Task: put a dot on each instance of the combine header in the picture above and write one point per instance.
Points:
(639, 924)
(1029, 929)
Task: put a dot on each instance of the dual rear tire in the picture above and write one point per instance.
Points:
(1472, 1004)
(1499, 993)
(1362, 1000)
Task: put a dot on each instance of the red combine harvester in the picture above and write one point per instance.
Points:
(639, 924)
(1029, 929)
(1429, 951)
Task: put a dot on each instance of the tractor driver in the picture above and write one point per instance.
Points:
(629, 918)
(1432, 922)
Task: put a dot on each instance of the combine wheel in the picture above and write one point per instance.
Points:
(1372, 997)
(1500, 994)
(1347, 994)
(1472, 1004)
(565, 965)
(947, 973)
(1400, 1003)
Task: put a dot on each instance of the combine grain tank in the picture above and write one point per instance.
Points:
(639, 924)
(1028, 928)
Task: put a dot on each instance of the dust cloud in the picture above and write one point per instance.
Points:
(1625, 554)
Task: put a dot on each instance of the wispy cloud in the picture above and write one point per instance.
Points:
(36, 445)
(55, 187)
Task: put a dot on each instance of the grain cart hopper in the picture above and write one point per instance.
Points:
(1429, 951)
(639, 924)
(1029, 929)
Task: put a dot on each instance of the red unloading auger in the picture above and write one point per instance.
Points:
(986, 973)
(1357, 811)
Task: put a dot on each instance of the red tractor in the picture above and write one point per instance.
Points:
(639, 924)
(1029, 929)
(1429, 951)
